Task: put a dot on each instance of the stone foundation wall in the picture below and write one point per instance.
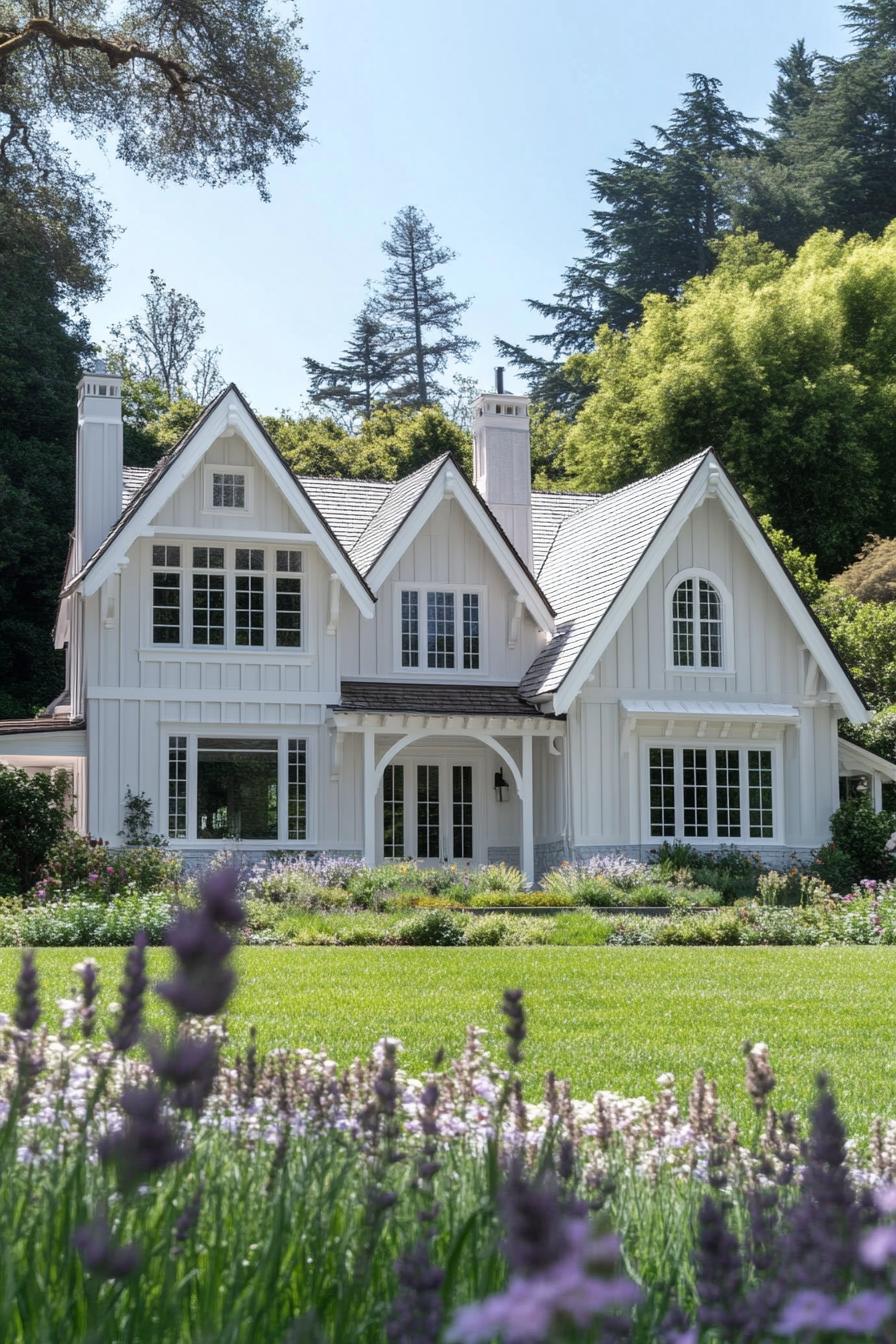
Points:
(195, 860)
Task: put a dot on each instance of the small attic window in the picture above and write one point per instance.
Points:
(227, 488)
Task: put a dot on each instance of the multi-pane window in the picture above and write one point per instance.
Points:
(695, 791)
(471, 630)
(427, 812)
(410, 628)
(249, 597)
(699, 793)
(228, 490)
(177, 788)
(166, 594)
(697, 625)
(439, 629)
(759, 775)
(288, 603)
(451, 632)
(297, 789)
(728, 794)
(462, 810)
(208, 595)
(393, 812)
(662, 791)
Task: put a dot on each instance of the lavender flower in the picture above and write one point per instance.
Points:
(416, 1315)
(515, 1026)
(145, 1143)
(719, 1272)
(27, 1012)
(760, 1076)
(813, 1310)
(204, 980)
(87, 972)
(126, 1032)
(99, 1254)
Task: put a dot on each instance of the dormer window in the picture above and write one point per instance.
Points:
(698, 623)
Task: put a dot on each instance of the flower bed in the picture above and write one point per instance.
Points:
(175, 1194)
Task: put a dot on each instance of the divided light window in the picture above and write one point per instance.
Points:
(208, 595)
(228, 490)
(289, 599)
(166, 594)
(711, 793)
(451, 637)
(697, 626)
(249, 597)
(246, 788)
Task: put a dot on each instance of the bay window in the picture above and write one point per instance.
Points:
(231, 788)
(708, 792)
(450, 638)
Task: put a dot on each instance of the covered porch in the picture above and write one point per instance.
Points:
(449, 773)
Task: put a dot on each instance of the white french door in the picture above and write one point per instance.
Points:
(429, 811)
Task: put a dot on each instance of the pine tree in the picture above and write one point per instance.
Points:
(658, 212)
(422, 316)
(795, 90)
(362, 376)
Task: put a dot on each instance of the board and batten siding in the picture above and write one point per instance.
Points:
(137, 694)
(447, 550)
(768, 664)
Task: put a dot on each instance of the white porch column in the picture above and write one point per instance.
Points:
(527, 819)
(877, 792)
(369, 787)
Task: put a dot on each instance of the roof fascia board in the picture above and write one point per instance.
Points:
(793, 603)
(449, 483)
(229, 417)
(625, 599)
(878, 764)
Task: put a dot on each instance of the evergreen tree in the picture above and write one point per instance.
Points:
(795, 89)
(658, 212)
(161, 344)
(352, 385)
(420, 313)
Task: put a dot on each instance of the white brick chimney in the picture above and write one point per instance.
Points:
(98, 461)
(502, 462)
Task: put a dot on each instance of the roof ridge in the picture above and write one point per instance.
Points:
(436, 462)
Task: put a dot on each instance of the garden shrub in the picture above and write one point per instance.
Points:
(496, 878)
(862, 834)
(507, 931)
(430, 928)
(722, 930)
(649, 893)
(79, 867)
(112, 923)
(579, 930)
(34, 813)
(792, 888)
(834, 866)
(520, 898)
(570, 880)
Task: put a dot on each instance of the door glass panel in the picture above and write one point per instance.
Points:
(393, 812)
(462, 810)
(427, 812)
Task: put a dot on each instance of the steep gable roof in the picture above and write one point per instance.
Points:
(593, 552)
(347, 505)
(393, 511)
(603, 555)
(227, 412)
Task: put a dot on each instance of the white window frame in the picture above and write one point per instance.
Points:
(237, 732)
(726, 669)
(458, 672)
(711, 745)
(444, 761)
(210, 470)
(269, 648)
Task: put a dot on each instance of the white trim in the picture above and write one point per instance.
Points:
(727, 667)
(444, 760)
(281, 734)
(709, 709)
(231, 416)
(209, 470)
(246, 536)
(422, 669)
(708, 479)
(447, 483)
(712, 840)
(868, 762)
(218, 653)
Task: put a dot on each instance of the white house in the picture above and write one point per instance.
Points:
(433, 667)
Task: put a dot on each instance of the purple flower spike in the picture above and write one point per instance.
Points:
(99, 1255)
(218, 892)
(27, 1011)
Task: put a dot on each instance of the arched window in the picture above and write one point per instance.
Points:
(698, 623)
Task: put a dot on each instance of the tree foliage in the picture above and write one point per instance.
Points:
(34, 812)
(362, 375)
(161, 344)
(391, 442)
(872, 575)
(786, 366)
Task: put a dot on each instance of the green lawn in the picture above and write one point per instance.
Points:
(602, 1017)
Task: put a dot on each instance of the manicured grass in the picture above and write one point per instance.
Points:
(601, 1017)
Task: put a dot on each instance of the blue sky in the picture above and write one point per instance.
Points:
(487, 115)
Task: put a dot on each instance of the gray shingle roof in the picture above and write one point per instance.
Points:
(392, 512)
(549, 510)
(593, 553)
(415, 697)
(348, 506)
(44, 723)
(132, 480)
